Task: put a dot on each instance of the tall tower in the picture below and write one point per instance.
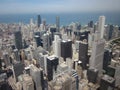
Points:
(66, 49)
(17, 56)
(57, 45)
(38, 40)
(83, 53)
(101, 26)
(39, 20)
(6, 58)
(96, 60)
(36, 74)
(47, 38)
(18, 40)
(26, 81)
(58, 23)
(52, 63)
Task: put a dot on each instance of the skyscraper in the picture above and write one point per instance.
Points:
(66, 49)
(47, 39)
(83, 53)
(26, 81)
(17, 56)
(101, 26)
(92, 75)
(52, 63)
(6, 58)
(58, 23)
(111, 29)
(38, 40)
(107, 58)
(96, 60)
(57, 45)
(38, 20)
(91, 24)
(18, 69)
(107, 83)
(18, 40)
(37, 77)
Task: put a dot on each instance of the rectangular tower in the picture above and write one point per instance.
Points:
(66, 49)
(96, 60)
(36, 75)
(58, 23)
(101, 26)
(18, 40)
(38, 20)
(52, 63)
(83, 53)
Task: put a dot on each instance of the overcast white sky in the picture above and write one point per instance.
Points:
(58, 6)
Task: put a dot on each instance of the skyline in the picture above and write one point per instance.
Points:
(54, 6)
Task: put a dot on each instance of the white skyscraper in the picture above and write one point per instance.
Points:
(46, 41)
(101, 26)
(36, 75)
(57, 46)
(96, 60)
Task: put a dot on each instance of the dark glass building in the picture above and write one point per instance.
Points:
(18, 69)
(111, 28)
(107, 58)
(83, 53)
(18, 40)
(38, 40)
(52, 63)
(53, 31)
(91, 24)
(92, 75)
(39, 20)
(66, 49)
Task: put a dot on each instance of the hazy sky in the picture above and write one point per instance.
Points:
(58, 6)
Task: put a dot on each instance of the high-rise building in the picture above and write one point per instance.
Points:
(0, 43)
(83, 53)
(75, 86)
(42, 62)
(38, 20)
(4, 85)
(62, 82)
(114, 71)
(90, 39)
(26, 81)
(58, 23)
(107, 83)
(18, 69)
(101, 26)
(66, 49)
(36, 74)
(6, 58)
(107, 58)
(17, 56)
(110, 31)
(92, 75)
(57, 45)
(18, 40)
(52, 63)
(47, 39)
(91, 24)
(96, 60)
(53, 31)
(38, 40)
